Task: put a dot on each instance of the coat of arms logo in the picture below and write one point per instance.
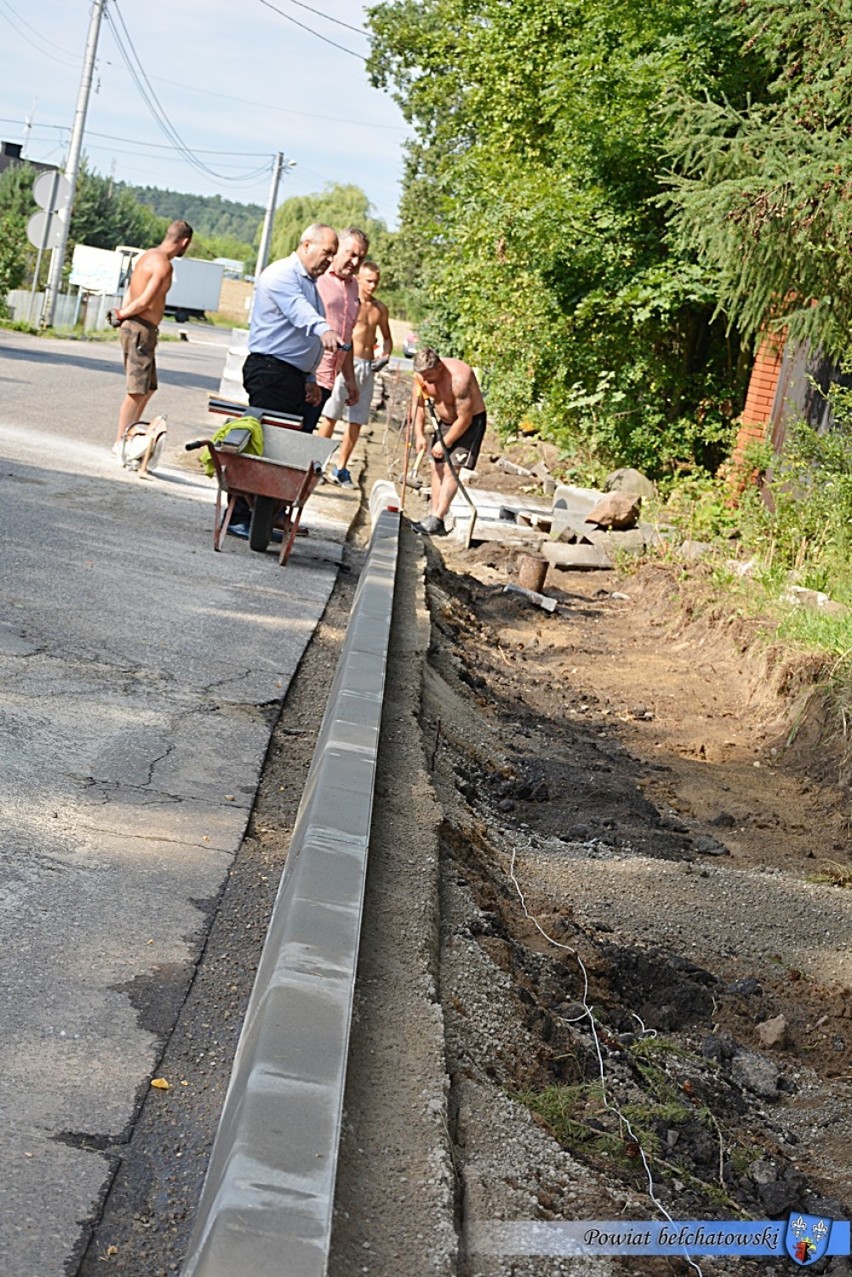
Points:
(807, 1237)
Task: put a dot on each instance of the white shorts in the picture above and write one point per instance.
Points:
(357, 414)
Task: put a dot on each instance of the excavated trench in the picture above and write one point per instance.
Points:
(602, 987)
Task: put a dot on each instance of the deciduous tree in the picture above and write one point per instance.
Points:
(529, 213)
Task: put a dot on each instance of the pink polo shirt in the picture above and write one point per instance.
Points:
(340, 299)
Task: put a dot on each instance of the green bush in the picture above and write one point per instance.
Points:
(804, 522)
(701, 507)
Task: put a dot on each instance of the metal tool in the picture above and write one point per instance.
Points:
(437, 423)
(407, 428)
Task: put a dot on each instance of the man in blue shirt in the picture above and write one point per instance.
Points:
(289, 331)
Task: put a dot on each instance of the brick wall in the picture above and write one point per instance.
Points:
(757, 413)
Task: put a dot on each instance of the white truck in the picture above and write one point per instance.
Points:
(195, 289)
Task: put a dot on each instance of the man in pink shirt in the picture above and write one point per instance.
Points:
(338, 290)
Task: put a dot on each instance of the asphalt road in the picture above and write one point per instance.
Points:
(141, 675)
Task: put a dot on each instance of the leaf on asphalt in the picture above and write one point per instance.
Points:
(160, 1083)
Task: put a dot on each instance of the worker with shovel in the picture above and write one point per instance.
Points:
(449, 391)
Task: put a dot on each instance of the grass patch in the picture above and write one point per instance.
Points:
(578, 1118)
(833, 874)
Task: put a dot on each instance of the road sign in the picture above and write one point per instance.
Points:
(52, 189)
(44, 230)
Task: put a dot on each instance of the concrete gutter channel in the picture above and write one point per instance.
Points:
(268, 1201)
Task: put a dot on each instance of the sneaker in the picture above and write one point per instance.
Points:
(240, 530)
(341, 477)
(431, 525)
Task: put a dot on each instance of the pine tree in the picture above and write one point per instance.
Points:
(762, 191)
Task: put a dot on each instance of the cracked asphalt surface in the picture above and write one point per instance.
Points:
(141, 676)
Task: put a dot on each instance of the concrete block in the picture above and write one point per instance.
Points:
(581, 558)
(631, 541)
(579, 501)
(566, 526)
(504, 533)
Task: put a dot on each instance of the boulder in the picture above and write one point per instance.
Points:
(629, 480)
(692, 551)
(617, 510)
(630, 542)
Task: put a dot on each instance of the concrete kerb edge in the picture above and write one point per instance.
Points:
(270, 1181)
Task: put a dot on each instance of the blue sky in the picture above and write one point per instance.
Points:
(236, 80)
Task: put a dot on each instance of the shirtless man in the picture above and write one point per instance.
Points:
(457, 400)
(140, 317)
(372, 318)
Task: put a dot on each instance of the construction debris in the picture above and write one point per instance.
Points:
(532, 596)
(582, 558)
(510, 467)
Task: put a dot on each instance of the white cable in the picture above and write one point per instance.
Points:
(590, 1016)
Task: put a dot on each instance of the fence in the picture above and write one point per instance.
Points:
(90, 309)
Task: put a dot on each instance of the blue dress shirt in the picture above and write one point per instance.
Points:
(288, 317)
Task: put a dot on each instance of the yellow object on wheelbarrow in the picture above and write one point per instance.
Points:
(276, 485)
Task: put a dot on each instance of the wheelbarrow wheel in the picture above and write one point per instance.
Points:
(262, 519)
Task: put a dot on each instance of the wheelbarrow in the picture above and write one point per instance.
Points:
(275, 485)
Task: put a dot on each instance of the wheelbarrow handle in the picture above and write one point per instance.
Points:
(198, 443)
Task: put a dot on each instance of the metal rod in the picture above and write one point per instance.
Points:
(453, 471)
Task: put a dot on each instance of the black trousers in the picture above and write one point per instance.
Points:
(271, 383)
(313, 411)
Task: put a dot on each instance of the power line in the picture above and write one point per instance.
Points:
(135, 141)
(236, 185)
(154, 105)
(138, 141)
(329, 18)
(272, 106)
(239, 180)
(311, 31)
(8, 119)
(176, 158)
(68, 61)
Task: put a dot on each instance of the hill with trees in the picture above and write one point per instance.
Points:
(211, 216)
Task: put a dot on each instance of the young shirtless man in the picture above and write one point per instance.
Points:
(140, 316)
(452, 387)
(372, 318)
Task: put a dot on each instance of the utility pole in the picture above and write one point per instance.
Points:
(266, 234)
(72, 164)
